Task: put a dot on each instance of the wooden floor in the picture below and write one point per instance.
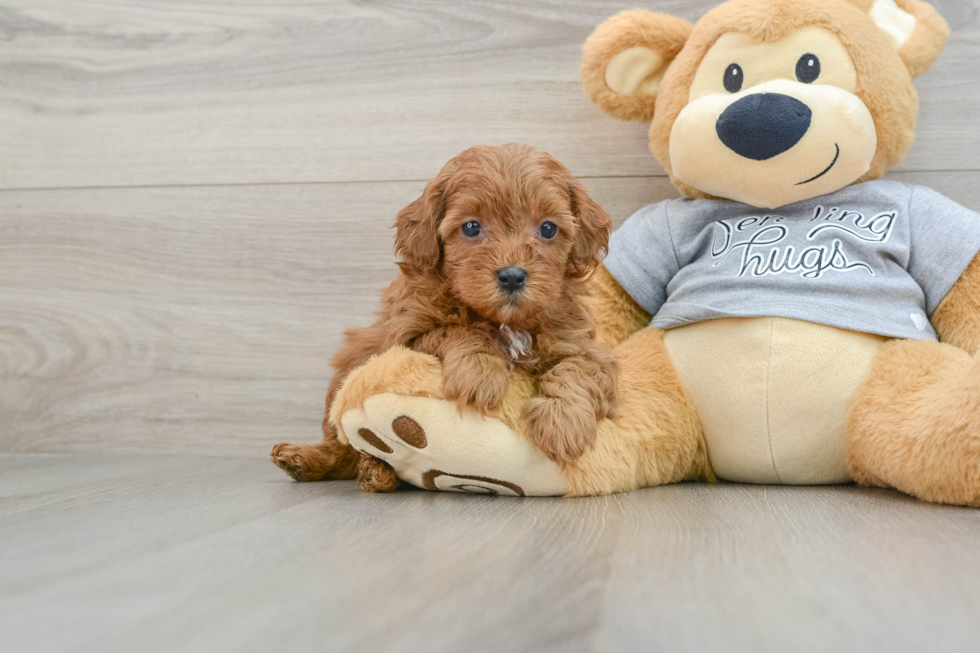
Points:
(183, 553)
(194, 202)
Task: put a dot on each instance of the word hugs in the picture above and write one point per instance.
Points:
(808, 246)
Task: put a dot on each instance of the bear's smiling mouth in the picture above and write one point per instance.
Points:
(825, 170)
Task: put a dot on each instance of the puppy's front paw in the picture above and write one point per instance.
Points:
(563, 429)
(480, 380)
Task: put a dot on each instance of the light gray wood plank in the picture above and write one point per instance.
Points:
(233, 556)
(64, 515)
(202, 320)
(783, 568)
(174, 563)
(150, 92)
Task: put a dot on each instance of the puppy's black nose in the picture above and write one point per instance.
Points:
(762, 125)
(511, 278)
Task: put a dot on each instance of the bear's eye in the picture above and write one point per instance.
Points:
(808, 68)
(548, 230)
(472, 229)
(733, 78)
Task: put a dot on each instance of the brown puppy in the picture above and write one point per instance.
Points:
(494, 256)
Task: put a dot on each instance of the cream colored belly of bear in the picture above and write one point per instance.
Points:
(773, 394)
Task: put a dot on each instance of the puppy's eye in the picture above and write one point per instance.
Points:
(548, 230)
(472, 229)
(808, 68)
(733, 78)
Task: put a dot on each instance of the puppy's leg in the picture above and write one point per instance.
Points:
(573, 396)
(327, 461)
(562, 419)
(474, 370)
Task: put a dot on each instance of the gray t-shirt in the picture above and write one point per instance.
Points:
(877, 257)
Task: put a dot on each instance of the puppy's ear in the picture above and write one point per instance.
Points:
(915, 29)
(625, 58)
(416, 237)
(594, 228)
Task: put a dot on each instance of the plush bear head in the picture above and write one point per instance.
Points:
(769, 102)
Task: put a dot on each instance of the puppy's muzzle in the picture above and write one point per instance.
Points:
(511, 279)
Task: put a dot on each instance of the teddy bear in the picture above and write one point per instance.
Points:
(794, 319)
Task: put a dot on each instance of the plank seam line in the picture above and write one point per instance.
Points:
(274, 183)
(33, 189)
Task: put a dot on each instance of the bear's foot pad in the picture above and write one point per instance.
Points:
(431, 445)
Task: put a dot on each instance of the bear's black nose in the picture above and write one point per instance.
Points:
(762, 125)
(511, 278)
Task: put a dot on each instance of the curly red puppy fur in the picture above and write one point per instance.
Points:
(493, 257)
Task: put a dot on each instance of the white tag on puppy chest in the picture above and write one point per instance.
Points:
(516, 345)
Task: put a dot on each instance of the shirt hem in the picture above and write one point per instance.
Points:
(671, 318)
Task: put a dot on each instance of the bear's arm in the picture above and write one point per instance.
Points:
(616, 315)
(957, 318)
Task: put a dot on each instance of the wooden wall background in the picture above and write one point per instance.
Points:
(194, 194)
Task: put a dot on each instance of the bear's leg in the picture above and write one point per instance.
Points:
(915, 423)
(655, 437)
(393, 408)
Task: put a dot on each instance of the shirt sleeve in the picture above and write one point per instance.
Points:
(642, 257)
(944, 238)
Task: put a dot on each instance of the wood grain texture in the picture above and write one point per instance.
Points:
(166, 553)
(152, 92)
(202, 320)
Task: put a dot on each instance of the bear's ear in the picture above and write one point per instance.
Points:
(625, 58)
(914, 28)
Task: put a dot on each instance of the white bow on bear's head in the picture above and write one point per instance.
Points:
(769, 102)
